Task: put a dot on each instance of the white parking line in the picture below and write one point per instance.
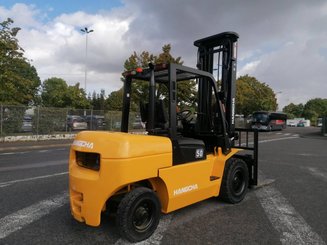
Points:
(4, 184)
(43, 151)
(317, 173)
(270, 140)
(34, 165)
(7, 153)
(291, 226)
(278, 139)
(29, 151)
(13, 153)
(26, 216)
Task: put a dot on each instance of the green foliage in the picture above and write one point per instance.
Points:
(115, 100)
(19, 81)
(56, 93)
(312, 110)
(76, 97)
(294, 111)
(98, 101)
(139, 88)
(253, 95)
(9, 47)
(315, 108)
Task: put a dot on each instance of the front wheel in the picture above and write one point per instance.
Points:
(235, 181)
(138, 214)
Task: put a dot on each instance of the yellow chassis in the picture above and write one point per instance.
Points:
(126, 159)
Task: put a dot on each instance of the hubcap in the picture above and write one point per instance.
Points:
(238, 182)
(143, 216)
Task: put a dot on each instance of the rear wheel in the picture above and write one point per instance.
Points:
(138, 214)
(235, 181)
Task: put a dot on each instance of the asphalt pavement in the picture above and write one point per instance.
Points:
(30, 145)
(288, 206)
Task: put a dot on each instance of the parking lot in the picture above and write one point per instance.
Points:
(287, 207)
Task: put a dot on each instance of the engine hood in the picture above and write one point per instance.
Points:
(119, 145)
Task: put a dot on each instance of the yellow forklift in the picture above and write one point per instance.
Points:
(185, 155)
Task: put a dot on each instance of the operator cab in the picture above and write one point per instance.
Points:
(199, 124)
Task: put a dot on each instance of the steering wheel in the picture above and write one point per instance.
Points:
(184, 115)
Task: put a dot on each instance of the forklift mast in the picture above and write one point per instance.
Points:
(215, 115)
(220, 50)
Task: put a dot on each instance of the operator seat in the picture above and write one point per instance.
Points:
(160, 118)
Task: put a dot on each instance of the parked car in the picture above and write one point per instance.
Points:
(300, 124)
(95, 122)
(76, 123)
(138, 124)
(27, 124)
(291, 124)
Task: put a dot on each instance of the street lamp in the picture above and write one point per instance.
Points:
(86, 31)
(279, 92)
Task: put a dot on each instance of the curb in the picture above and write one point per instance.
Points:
(25, 138)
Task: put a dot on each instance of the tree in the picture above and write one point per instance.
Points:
(293, 110)
(19, 81)
(252, 95)
(115, 101)
(56, 93)
(315, 108)
(98, 100)
(76, 97)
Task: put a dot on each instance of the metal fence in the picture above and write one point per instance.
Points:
(37, 122)
(22, 120)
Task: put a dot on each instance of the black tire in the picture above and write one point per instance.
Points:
(138, 214)
(235, 181)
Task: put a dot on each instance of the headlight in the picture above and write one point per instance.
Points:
(88, 160)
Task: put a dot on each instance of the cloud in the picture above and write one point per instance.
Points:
(249, 68)
(22, 14)
(282, 43)
(57, 48)
(295, 69)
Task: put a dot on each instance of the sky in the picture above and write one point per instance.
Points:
(282, 43)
